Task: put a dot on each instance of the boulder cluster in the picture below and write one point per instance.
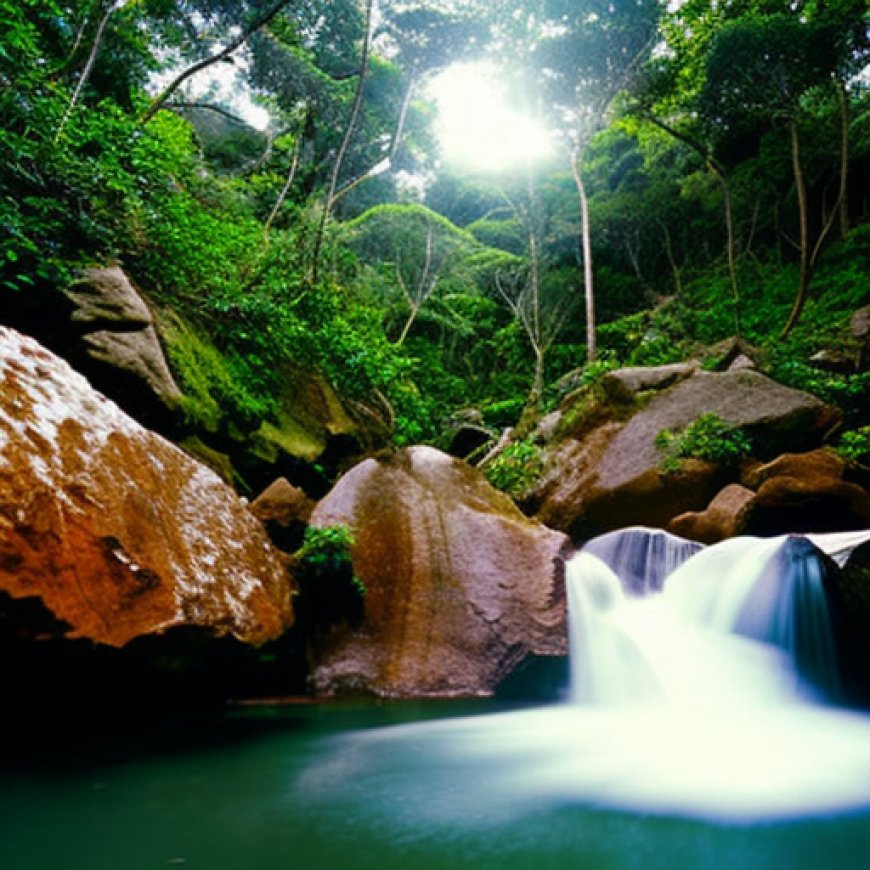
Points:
(111, 533)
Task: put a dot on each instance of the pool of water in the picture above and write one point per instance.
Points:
(440, 786)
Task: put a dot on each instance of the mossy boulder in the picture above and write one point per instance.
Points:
(605, 470)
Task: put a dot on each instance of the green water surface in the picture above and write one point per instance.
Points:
(294, 788)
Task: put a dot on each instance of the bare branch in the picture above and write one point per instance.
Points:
(225, 52)
(114, 6)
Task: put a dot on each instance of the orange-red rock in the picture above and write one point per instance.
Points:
(118, 532)
(461, 587)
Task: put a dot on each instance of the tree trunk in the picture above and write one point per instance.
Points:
(291, 175)
(805, 268)
(586, 245)
(236, 43)
(89, 65)
(415, 309)
(537, 380)
(345, 142)
(403, 116)
(843, 101)
(672, 260)
(77, 44)
(730, 244)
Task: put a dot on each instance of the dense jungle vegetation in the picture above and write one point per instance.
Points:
(709, 176)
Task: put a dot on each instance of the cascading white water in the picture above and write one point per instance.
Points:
(699, 690)
(745, 621)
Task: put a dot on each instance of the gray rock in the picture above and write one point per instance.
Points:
(119, 334)
(638, 378)
(611, 476)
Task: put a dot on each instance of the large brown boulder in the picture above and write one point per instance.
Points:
(116, 531)
(796, 492)
(284, 509)
(608, 474)
(461, 587)
(724, 517)
(806, 493)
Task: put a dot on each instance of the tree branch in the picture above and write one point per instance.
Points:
(180, 79)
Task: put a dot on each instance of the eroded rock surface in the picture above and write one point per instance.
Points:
(461, 587)
(723, 518)
(285, 510)
(115, 530)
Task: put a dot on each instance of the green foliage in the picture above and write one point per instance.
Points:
(175, 204)
(516, 468)
(854, 445)
(326, 547)
(329, 591)
(504, 413)
(218, 387)
(708, 437)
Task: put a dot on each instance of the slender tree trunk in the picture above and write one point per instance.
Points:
(291, 176)
(345, 142)
(415, 310)
(730, 243)
(534, 264)
(89, 66)
(206, 62)
(77, 43)
(722, 178)
(843, 101)
(672, 260)
(586, 244)
(403, 116)
(424, 288)
(803, 216)
(538, 379)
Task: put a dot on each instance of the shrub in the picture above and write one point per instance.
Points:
(516, 468)
(329, 591)
(855, 445)
(708, 437)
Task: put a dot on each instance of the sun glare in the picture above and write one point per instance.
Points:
(477, 128)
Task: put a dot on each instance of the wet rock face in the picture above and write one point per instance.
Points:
(611, 476)
(117, 532)
(461, 587)
(849, 595)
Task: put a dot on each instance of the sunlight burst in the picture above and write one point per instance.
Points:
(477, 128)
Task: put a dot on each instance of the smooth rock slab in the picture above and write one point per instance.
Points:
(117, 531)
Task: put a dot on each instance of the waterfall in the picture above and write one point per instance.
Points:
(700, 677)
(642, 558)
(653, 618)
